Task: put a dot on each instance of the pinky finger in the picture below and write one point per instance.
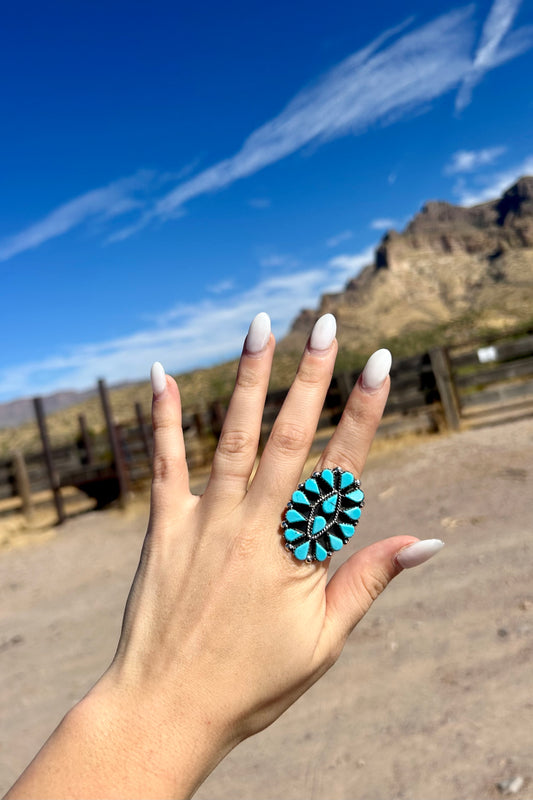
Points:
(170, 473)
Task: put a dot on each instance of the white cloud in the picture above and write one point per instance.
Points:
(105, 203)
(184, 336)
(382, 224)
(278, 260)
(259, 202)
(372, 85)
(496, 46)
(397, 74)
(334, 241)
(491, 186)
(471, 160)
(347, 266)
(221, 287)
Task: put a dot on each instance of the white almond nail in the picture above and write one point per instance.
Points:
(418, 552)
(376, 370)
(258, 333)
(158, 378)
(323, 333)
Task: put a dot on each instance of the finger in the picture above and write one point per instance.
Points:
(360, 580)
(293, 431)
(170, 480)
(349, 445)
(237, 447)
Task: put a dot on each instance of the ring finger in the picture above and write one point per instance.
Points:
(348, 448)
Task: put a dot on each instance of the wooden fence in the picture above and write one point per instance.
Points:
(430, 392)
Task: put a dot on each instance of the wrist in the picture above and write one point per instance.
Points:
(160, 750)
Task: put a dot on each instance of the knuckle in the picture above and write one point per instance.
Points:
(362, 416)
(309, 375)
(165, 467)
(289, 437)
(245, 546)
(247, 378)
(235, 442)
(165, 422)
(372, 584)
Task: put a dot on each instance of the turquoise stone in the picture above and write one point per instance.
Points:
(291, 535)
(346, 479)
(294, 516)
(335, 542)
(299, 497)
(320, 552)
(312, 486)
(319, 523)
(327, 474)
(330, 504)
(302, 551)
(316, 522)
(347, 530)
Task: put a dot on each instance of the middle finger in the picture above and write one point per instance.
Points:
(291, 437)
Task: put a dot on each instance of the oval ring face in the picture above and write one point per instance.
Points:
(322, 514)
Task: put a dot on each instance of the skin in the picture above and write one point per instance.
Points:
(223, 628)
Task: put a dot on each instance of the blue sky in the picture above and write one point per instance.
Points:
(170, 169)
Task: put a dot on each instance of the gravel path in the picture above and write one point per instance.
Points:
(432, 697)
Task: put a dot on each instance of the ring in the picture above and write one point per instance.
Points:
(322, 514)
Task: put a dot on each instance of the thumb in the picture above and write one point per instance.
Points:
(361, 579)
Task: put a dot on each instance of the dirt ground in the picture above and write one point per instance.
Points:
(433, 695)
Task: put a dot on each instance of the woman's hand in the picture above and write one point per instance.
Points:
(224, 628)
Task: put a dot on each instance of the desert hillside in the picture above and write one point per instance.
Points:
(463, 271)
(453, 275)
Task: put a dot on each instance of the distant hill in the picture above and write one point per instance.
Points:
(18, 411)
(462, 271)
(453, 275)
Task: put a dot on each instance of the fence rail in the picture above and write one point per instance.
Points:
(429, 392)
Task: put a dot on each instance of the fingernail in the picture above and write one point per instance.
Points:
(323, 333)
(376, 370)
(258, 333)
(158, 378)
(418, 552)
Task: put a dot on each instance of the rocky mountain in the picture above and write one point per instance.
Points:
(453, 274)
(466, 271)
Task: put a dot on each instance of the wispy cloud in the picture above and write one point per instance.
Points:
(335, 241)
(259, 202)
(184, 336)
(471, 160)
(398, 74)
(373, 85)
(349, 265)
(496, 46)
(106, 203)
(382, 224)
(488, 187)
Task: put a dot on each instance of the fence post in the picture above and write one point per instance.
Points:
(217, 412)
(52, 474)
(114, 442)
(440, 364)
(86, 439)
(143, 430)
(22, 482)
(345, 384)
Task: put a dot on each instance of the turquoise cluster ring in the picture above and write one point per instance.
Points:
(322, 514)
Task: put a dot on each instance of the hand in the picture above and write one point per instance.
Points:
(224, 628)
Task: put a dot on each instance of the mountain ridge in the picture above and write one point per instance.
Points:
(463, 271)
(449, 265)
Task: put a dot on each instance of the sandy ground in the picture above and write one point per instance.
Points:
(433, 695)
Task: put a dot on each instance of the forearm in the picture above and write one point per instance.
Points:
(115, 748)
